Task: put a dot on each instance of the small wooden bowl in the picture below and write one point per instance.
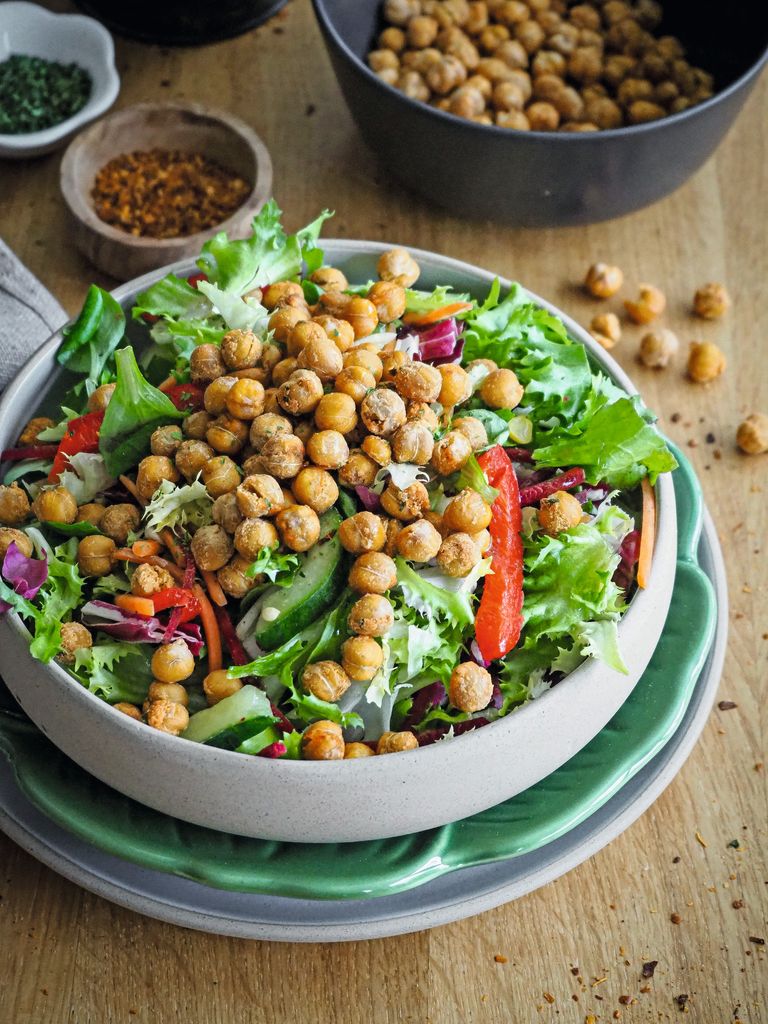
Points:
(187, 127)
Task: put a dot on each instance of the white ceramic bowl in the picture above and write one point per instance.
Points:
(69, 38)
(370, 798)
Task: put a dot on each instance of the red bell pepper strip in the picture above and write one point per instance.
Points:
(562, 482)
(499, 618)
(37, 451)
(184, 396)
(194, 278)
(82, 435)
(177, 597)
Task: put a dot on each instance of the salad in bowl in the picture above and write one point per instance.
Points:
(300, 516)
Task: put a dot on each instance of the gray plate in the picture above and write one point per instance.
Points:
(451, 897)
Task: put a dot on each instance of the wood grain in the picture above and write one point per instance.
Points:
(69, 956)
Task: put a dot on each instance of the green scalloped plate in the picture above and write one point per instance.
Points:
(648, 719)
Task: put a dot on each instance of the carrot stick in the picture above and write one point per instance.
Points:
(130, 486)
(432, 317)
(167, 383)
(210, 629)
(647, 534)
(126, 555)
(142, 548)
(213, 587)
(177, 551)
(135, 605)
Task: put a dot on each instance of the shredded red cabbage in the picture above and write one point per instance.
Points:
(477, 654)
(433, 735)
(441, 343)
(276, 749)
(136, 628)
(26, 575)
(369, 498)
(428, 697)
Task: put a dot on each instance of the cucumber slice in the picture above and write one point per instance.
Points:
(284, 611)
(231, 721)
(330, 521)
(347, 504)
(254, 744)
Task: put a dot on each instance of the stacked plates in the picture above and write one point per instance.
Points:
(231, 885)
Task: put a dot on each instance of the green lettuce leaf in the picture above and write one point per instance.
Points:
(237, 313)
(425, 302)
(135, 410)
(86, 476)
(57, 598)
(471, 475)
(430, 601)
(279, 568)
(617, 446)
(115, 671)
(178, 507)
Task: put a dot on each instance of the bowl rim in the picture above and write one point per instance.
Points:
(75, 194)
(98, 102)
(666, 514)
(558, 137)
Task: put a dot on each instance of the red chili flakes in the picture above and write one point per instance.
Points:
(549, 997)
(757, 940)
(682, 1001)
(166, 193)
(675, 918)
(649, 968)
(625, 1000)
(501, 959)
(737, 904)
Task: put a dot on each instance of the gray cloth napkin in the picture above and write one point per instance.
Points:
(29, 315)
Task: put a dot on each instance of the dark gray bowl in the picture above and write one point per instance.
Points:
(540, 179)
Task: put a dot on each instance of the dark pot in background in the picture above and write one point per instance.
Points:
(181, 22)
(539, 179)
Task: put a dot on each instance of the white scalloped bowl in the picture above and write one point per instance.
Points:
(369, 798)
(69, 38)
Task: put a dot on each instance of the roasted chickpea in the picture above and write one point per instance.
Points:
(253, 535)
(650, 303)
(473, 430)
(96, 555)
(361, 313)
(341, 332)
(167, 716)
(361, 658)
(419, 382)
(149, 579)
(642, 111)
(227, 434)
(336, 411)
(371, 615)
(456, 386)
(166, 440)
(118, 521)
(173, 662)
(282, 293)
(332, 303)
(226, 512)
(542, 117)
(304, 429)
(364, 358)
(355, 381)
(468, 512)
(752, 435)
(419, 541)
(705, 362)
(548, 62)
(329, 278)
(458, 555)
(373, 573)
(315, 487)
(420, 412)
(283, 370)
(220, 475)
(607, 325)
(14, 505)
(388, 299)
(282, 322)
(711, 301)
(325, 680)
(413, 442)
(245, 399)
(33, 429)
(470, 688)
(354, 750)
(10, 536)
(215, 395)
(267, 425)
(190, 458)
(173, 692)
(128, 709)
(405, 503)
(194, 426)
(560, 511)
(240, 349)
(378, 449)
(398, 266)
(211, 547)
(421, 31)
(362, 532)
(328, 449)
(603, 280)
(383, 61)
(658, 347)
(206, 364)
(322, 741)
(392, 363)
(259, 494)
(152, 471)
(301, 392)
(283, 456)
(451, 452)
(100, 399)
(392, 528)
(382, 411)
(218, 685)
(298, 526)
(396, 742)
(233, 580)
(55, 505)
(501, 389)
(301, 335)
(359, 470)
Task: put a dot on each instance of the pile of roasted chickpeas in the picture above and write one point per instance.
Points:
(538, 65)
(285, 424)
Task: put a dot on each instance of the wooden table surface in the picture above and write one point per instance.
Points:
(70, 956)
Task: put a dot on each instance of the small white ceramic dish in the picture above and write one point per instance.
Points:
(69, 38)
(370, 798)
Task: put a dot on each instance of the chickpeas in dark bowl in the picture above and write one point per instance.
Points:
(542, 112)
